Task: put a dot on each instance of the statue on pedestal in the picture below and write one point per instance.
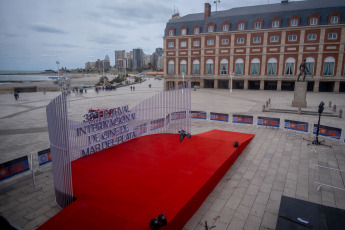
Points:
(303, 70)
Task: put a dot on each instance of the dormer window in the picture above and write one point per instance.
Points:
(334, 19)
(241, 26)
(294, 22)
(183, 31)
(225, 27)
(275, 23)
(257, 25)
(196, 31)
(313, 21)
(210, 29)
(171, 32)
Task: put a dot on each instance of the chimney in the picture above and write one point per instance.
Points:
(207, 11)
(174, 16)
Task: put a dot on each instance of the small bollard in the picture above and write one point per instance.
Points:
(340, 114)
(263, 108)
(269, 100)
(266, 104)
(329, 104)
(334, 108)
(299, 111)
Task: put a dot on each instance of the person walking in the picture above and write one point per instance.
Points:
(16, 95)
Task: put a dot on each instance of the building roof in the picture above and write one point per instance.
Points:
(266, 12)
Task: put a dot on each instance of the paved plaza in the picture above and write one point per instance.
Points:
(275, 163)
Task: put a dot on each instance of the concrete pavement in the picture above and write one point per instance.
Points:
(275, 163)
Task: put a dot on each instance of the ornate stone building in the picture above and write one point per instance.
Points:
(260, 47)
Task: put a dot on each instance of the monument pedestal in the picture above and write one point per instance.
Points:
(300, 95)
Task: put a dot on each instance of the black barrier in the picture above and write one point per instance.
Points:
(219, 117)
(242, 119)
(44, 157)
(14, 167)
(269, 121)
(198, 115)
(296, 125)
(328, 131)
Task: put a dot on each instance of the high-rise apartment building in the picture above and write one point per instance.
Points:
(261, 47)
(120, 59)
(138, 58)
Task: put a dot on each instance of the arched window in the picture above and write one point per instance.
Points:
(272, 66)
(239, 66)
(171, 67)
(183, 67)
(290, 66)
(209, 67)
(310, 62)
(294, 22)
(328, 66)
(196, 66)
(224, 66)
(255, 66)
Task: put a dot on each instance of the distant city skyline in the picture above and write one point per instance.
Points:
(36, 33)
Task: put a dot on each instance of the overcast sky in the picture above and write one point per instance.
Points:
(34, 34)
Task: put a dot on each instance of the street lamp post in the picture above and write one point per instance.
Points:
(231, 76)
(217, 1)
(58, 63)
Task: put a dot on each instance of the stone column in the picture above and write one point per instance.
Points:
(202, 59)
(245, 84)
(336, 87)
(189, 63)
(316, 86)
(340, 55)
(216, 59)
(279, 85)
(231, 64)
(264, 51)
(262, 84)
(281, 56)
(247, 64)
(202, 85)
(300, 48)
(216, 83)
(318, 62)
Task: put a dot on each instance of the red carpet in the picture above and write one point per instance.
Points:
(123, 187)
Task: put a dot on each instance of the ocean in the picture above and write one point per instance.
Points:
(7, 77)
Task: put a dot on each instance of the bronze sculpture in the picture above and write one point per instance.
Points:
(303, 70)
